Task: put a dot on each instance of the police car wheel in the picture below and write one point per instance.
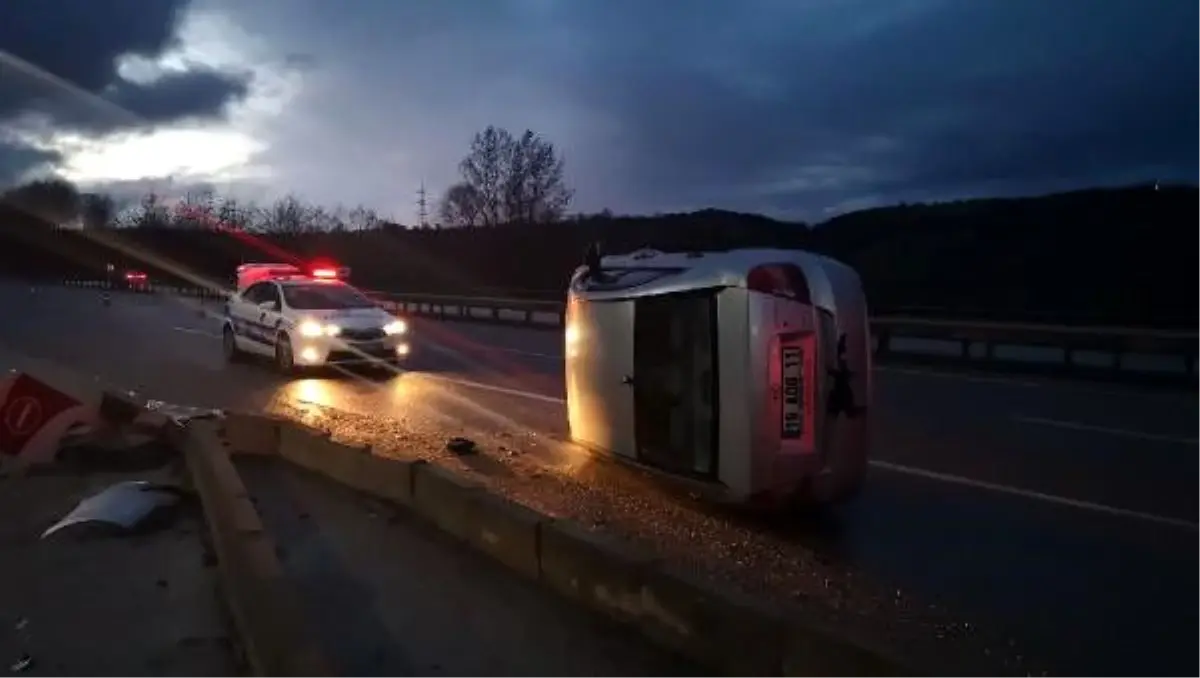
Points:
(229, 344)
(285, 362)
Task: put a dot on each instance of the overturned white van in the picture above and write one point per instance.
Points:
(748, 371)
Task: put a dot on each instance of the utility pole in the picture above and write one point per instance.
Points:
(422, 207)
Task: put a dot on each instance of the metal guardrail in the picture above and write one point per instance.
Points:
(1167, 355)
(1149, 354)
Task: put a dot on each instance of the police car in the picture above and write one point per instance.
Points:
(307, 320)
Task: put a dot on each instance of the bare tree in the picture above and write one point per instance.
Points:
(321, 219)
(231, 214)
(97, 210)
(288, 215)
(514, 179)
(362, 219)
(152, 213)
(535, 191)
(484, 171)
(460, 206)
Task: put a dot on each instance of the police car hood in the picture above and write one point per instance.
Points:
(352, 318)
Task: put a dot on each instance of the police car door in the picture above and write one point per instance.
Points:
(269, 313)
(248, 313)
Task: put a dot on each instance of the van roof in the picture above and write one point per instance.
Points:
(650, 272)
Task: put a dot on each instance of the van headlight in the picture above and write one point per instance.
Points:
(312, 329)
(395, 327)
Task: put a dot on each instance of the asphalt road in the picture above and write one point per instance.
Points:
(1064, 512)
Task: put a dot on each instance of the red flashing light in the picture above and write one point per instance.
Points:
(325, 273)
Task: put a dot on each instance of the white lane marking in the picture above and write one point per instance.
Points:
(1120, 432)
(485, 387)
(203, 333)
(1037, 496)
(497, 389)
(1093, 388)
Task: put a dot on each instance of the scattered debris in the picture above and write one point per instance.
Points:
(113, 449)
(22, 665)
(181, 414)
(21, 624)
(126, 505)
(461, 446)
(119, 408)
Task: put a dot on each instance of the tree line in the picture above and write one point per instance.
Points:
(502, 179)
(1117, 256)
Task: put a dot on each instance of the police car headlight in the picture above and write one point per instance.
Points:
(312, 328)
(395, 327)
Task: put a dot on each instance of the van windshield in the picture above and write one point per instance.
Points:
(324, 297)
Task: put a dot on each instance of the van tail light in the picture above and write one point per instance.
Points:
(780, 280)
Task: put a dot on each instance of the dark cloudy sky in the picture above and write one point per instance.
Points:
(792, 107)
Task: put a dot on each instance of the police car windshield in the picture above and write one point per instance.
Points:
(323, 297)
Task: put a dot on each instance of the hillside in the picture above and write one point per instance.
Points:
(1112, 256)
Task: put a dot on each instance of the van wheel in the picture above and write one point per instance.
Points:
(233, 354)
(285, 362)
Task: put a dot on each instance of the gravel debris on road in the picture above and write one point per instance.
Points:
(717, 545)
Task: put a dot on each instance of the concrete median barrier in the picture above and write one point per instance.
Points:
(389, 479)
(594, 569)
(252, 433)
(355, 466)
(313, 449)
(265, 611)
(728, 632)
(299, 444)
(507, 531)
(445, 499)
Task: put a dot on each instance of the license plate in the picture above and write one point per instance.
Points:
(793, 392)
